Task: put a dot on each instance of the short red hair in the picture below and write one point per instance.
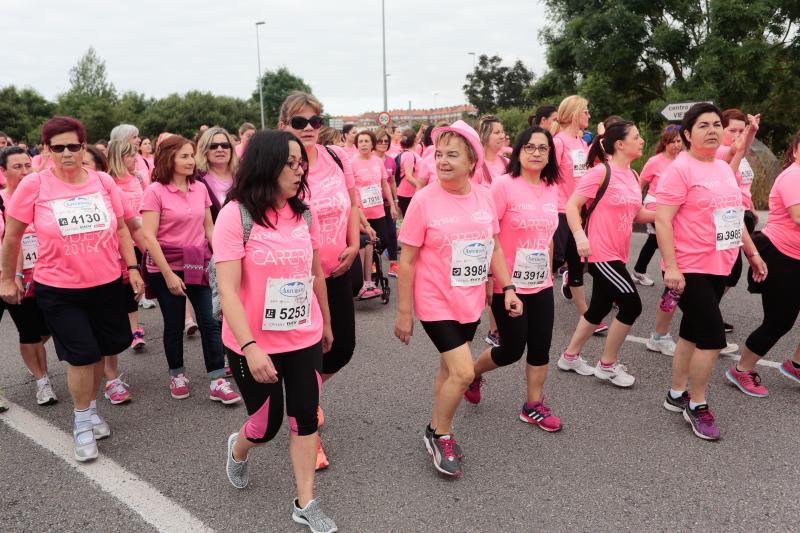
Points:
(58, 125)
(164, 159)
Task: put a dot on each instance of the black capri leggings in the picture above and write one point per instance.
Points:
(391, 243)
(565, 249)
(702, 320)
(298, 373)
(381, 227)
(612, 283)
(736, 271)
(403, 202)
(533, 328)
(29, 321)
(646, 254)
(343, 322)
(780, 297)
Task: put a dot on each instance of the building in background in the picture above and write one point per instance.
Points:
(402, 117)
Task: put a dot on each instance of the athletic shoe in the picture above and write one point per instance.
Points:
(220, 390)
(322, 459)
(320, 417)
(138, 343)
(617, 374)
(732, 347)
(45, 394)
(189, 327)
(179, 387)
(116, 391)
(99, 426)
(85, 443)
(702, 421)
(368, 291)
(456, 447)
(663, 344)
(473, 392)
(601, 328)
(313, 517)
(642, 279)
(728, 327)
(578, 365)
(747, 382)
(147, 304)
(3, 404)
(788, 370)
(677, 405)
(538, 414)
(444, 456)
(394, 269)
(566, 291)
(492, 339)
(238, 471)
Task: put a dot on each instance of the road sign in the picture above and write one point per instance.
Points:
(676, 111)
(384, 119)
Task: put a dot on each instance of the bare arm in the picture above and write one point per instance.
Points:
(573, 212)
(673, 278)
(150, 222)
(208, 227)
(321, 292)
(404, 324)
(10, 291)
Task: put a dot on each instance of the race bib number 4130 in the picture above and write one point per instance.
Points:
(82, 214)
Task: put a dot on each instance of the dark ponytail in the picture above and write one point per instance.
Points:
(603, 145)
(788, 159)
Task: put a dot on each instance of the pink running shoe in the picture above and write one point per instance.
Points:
(116, 391)
(538, 414)
(747, 382)
(138, 343)
(473, 392)
(179, 387)
(368, 292)
(602, 327)
(788, 370)
(220, 391)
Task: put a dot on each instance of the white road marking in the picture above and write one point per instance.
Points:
(130, 490)
(735, 357)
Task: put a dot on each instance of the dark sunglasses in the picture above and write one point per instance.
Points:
(215, 146)
(300, 123)
(383, 141)
(59, 148)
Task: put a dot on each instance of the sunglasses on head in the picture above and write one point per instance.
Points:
(300, 123)
(59, 148)
(215, 146)
(673, 127)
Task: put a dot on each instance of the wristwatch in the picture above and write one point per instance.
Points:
(511, 287)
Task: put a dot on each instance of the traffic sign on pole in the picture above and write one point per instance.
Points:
(677, 110)
(384, 119)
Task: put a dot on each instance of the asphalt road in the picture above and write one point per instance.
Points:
(621, 462)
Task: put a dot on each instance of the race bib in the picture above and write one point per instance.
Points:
(531, 268)
(82, 214)
(470, 262)
(746, 171)
(578, 162)
(728, 224)
(287, 304)
(371, 196)
(30, 250)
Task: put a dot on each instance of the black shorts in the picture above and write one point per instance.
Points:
(702, 320)
(131, 305)
(87, 324)
(29, 321)
(448, 335)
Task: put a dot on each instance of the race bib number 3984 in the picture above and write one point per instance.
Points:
(470, 262)
(728, 225)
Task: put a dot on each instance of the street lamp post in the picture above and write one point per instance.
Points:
(260, 84)
(383, 27)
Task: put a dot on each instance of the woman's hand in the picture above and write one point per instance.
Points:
(346, 259)
(582, 243)
(137, 283)
(673, 279)
(404, 327)
(10, 291)
(513, 304)
(260, 365)
(759, 268)
(327, 338)
(175, 284)
(393, 210)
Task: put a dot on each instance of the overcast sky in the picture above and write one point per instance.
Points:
(158, 47)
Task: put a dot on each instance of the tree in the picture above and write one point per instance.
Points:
(185, 114)
(277, 85)
(492, 86)
(91, 98)
(22, 113)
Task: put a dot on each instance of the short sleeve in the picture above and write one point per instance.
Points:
(498, 190)
(347, 167)
(228, 237)
(559, 144)
(412, 232)
(206, 197)
(115, 196)
(648, 171)
(493, 210)
(589, 183)
(384, 174)
(789, 190)
(672, 187)
(151, 199)
(21, 205)
(314, 231)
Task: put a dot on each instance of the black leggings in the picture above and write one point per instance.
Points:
(646, 254)
(343, 322)
(381, 227)
(612, 283)
(565, 249)
(702, 320)
(780, 297)
(299, 374)
(736, 271)
(391, 234)
(403, 202)
(533, 328)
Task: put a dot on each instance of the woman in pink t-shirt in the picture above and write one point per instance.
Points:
(526, 202)
(332, 197)
(246, 132)
(779, 246)
(450, 242)
(177, 227)
(146, 151)
(216, 165)
(275, 307)
(130, 133)
(700, 227)
(383, 144)
(15, 164)
(409, 167)
(605, 241)
(77, 214)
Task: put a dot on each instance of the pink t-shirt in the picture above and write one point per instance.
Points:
(282, 252)
(571, 155)
(528, 216)
(239, 150)
(699, 188)
(329, 198)
(651, 173)
(82, 258)
(370, 174)
(351, 151)
(220, 187)
(182, 216)
(132, 191)
(434, 220)
(744, 176)
(143, 170)
(782, 231)
(497, 167)
(29, 246)
(407, 158)
(611, 223)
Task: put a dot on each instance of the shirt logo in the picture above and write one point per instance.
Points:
(481, 217)
(293, 289)
(550, 209)
(329, 183)
(475, 249)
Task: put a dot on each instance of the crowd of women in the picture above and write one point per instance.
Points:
(90, 232)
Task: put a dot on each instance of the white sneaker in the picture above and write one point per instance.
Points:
(100, 427)
(663, 344)
(45, 394)
(642, 279)
(85, 443)
(732, 347)
(617, 374)
(189, 327)
(147, 304)
(578, 365)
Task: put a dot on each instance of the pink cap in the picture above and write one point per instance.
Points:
(466, 131)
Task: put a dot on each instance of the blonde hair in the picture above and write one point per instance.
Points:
(202, 149)
(485, 125)
(328, 136)
(446, 136)
(116, 151)
(567, 109)
(295, 102)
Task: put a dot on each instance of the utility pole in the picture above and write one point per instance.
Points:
(383, 26)
(260, 84)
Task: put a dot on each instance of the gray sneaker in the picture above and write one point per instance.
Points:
(238, 472)
(85, 443)
(99, 426)
(313, 517)
(45, 394)
(445, 459)
(456, 447)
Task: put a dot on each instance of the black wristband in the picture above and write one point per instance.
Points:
(511, 287)
(245, 345)
(133, 267)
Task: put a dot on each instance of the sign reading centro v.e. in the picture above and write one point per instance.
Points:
(677, 110)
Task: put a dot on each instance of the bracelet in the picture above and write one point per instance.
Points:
(753, 255)
(511, 287)
(20, 275)
(133, 267)
(245, 345)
